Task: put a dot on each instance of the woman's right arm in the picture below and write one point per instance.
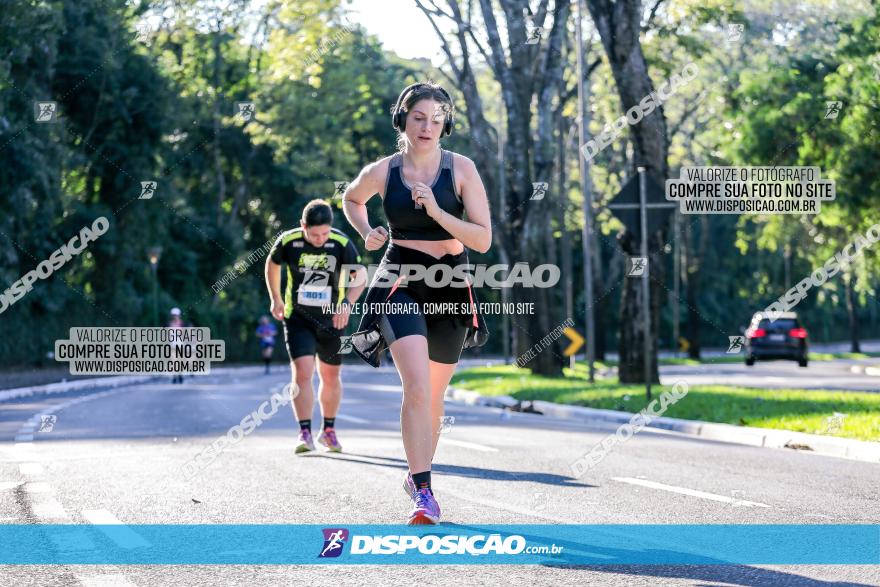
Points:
(354, 203)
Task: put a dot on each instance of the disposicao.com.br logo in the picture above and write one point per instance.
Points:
(449, 544)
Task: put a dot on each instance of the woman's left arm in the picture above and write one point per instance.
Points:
(475, 232)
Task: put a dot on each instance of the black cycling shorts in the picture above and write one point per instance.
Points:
(306, 337)
(445, 332)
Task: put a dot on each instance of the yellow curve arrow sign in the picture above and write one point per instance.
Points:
(577, 341)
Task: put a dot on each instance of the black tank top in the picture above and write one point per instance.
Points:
(405, 221)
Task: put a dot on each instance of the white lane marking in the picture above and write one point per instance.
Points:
(49, 509)
(123, 536)
(472, 445)
(30, 468)
(109, 580)
(686, 491)
(4, 485)
(353, 419)
(19, 452)
(38, 487)
(24, 437)
(97, 454)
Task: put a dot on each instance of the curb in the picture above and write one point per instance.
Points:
(77, 385)
(117, 381)
(749, 435)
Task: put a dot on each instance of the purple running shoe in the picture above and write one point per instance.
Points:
(427, 511)
(327, 437)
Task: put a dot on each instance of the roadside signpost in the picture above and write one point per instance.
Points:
(631, 206)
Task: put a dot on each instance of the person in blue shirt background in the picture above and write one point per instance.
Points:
(266, 331)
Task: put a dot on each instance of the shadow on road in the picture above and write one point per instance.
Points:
(461, 471)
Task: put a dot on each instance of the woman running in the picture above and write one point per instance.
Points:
(425, 192)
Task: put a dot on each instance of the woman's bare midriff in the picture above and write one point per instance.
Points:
(434, 248)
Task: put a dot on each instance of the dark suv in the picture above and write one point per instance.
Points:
(782, 338)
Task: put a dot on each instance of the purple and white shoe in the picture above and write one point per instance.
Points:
(427, 510)
(306, 444)
(327, 437)
(409, 486)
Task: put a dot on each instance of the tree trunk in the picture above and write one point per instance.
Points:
(600, 320)
(852, 310)
(693, 318)
(524, 72)
(215, 123)
(561, 213)
(619, 25)
(691, 279)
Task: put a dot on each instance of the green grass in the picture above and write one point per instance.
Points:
(703, 361)
(830, 356)
(800, 410)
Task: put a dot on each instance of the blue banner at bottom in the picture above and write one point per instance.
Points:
(476, 544)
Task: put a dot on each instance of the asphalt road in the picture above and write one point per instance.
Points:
(119, 455)
(835, 374)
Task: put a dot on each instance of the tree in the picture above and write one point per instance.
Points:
(619, 25)
(527, 72)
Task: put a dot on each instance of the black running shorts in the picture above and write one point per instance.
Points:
(409, 308)
(305, 336)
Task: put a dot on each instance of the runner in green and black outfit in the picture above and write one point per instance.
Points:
(315, 312)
